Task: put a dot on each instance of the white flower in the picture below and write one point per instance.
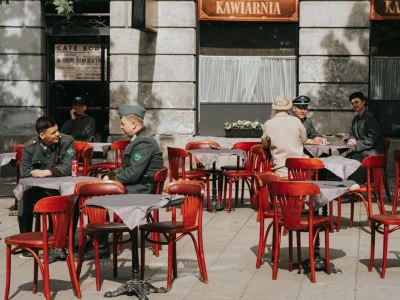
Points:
(246, 123)
(229, 126)
(239, 122)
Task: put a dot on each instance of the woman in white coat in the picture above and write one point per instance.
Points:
(284, 135)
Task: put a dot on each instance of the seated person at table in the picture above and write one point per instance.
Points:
(365, 135)
(300, 109)
(80, 126)
(48, 154)
(142, 157)
(284, 135)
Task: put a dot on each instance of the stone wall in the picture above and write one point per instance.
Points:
(157, 71)
(333, 59)
(22, 70)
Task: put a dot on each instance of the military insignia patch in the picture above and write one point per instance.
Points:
(70, 152)
(137, 157)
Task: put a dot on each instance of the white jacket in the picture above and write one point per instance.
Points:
(285, 136)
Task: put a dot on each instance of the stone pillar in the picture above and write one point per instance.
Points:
(22, 71)
(156, 71)
(334, 61)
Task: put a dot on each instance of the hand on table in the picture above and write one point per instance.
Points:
(320, 140)
(106, 177)
(351, 142)
(40, 173)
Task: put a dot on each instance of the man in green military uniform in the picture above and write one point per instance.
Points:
(142, 157)
(48, 154)
(300, 109)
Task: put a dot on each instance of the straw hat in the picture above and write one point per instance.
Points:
(282, 103)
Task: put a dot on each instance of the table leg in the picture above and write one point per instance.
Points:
(216, 206)
(319, 262)
(135, 286)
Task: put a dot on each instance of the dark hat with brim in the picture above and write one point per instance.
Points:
(301, 101)
(131, 110)
(78, 101)
(358, 95)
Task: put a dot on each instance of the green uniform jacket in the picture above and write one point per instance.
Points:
(310, 130)
(82, 129)
(142, 159)
(57, 158)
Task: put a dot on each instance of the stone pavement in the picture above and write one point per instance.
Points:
(230, 250)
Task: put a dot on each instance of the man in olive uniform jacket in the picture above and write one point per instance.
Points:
(80, 126)
(46, 155)
(142, 157)
(300, 108)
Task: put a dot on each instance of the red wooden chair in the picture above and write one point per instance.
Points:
(18, 148)
(386, 220)
(291, 197)
(264, 161)
(245, 146)
(119, 148)
(79, 147)
(177, 162)
(98, 223)
(195, 164)
(247, 175)
(60, 209)
(386, 145)
(192, 218)
(375, 166)
(87, 154)
(301, 169)
(266, 211)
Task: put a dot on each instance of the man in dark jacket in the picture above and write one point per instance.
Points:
(45, 155)
(80, 126)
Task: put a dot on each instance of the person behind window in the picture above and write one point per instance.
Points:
(300, 109)
(80, 126)
(365, 135)
(284, 135)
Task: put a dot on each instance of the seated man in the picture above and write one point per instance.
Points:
(48, 154)
(300, 108)
(142, 159)
(80, 126)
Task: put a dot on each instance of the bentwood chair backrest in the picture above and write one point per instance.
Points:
(176, 159)
(119, 147)
(303, 168)
(159, 179)
(262, 182)
(199, 145)
(264, 160)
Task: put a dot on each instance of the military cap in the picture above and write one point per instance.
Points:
(78, 101)
(301, 101)
(359, 95)
(131, 110)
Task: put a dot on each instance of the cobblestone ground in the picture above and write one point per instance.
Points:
(230, 250)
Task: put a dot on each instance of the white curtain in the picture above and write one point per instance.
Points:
(229, 79)
(385, 73)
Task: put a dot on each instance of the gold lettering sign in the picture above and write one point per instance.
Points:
(249, 10)
(385, 10)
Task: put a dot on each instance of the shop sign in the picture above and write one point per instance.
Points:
(385, 10)
(78, 62)
(249, 10)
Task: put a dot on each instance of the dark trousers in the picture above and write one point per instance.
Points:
(360, 175)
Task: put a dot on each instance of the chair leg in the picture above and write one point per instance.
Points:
(372, 250)
(208, 194)
(331, 225)
(171, 241)
(276, 253)
(351, 212)
(46, 274)
(80, 255)
(201, 255)
(299, 259)
(242, 192)
(35, 273)
(96, 261)
(72, 273)
(311, 249)
(236, 192)
(220, 186)
(387, 189)
(142, 253)
(8, 272)
(230, 194)
(261, 243)
(327, 251)
(339, 213)
(175, 265)
(385, 249)
(290, 250)
(225, 188)
(115, 254)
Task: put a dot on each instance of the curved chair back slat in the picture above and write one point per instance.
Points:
(303, 168)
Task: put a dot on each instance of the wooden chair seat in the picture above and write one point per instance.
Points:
(270, 213)
(29, 239)
(386, 219)
(239, 173)
(169, 226)
(193, 174)
(317, 221)
(102, 165)
(106, 226)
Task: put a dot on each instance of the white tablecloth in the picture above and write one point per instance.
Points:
(330, 190)
(65, 185)
(132, 208)
(5, 158)
(208, 156)
(318, 150)
(100, 147)
(340, 166)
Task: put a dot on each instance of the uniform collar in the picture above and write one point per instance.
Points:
(140, 131)
(45, 147)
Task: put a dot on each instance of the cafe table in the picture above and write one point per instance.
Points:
(100, 147)
(208, 158)
(318, 150)
(133, 209)
(5, 158)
